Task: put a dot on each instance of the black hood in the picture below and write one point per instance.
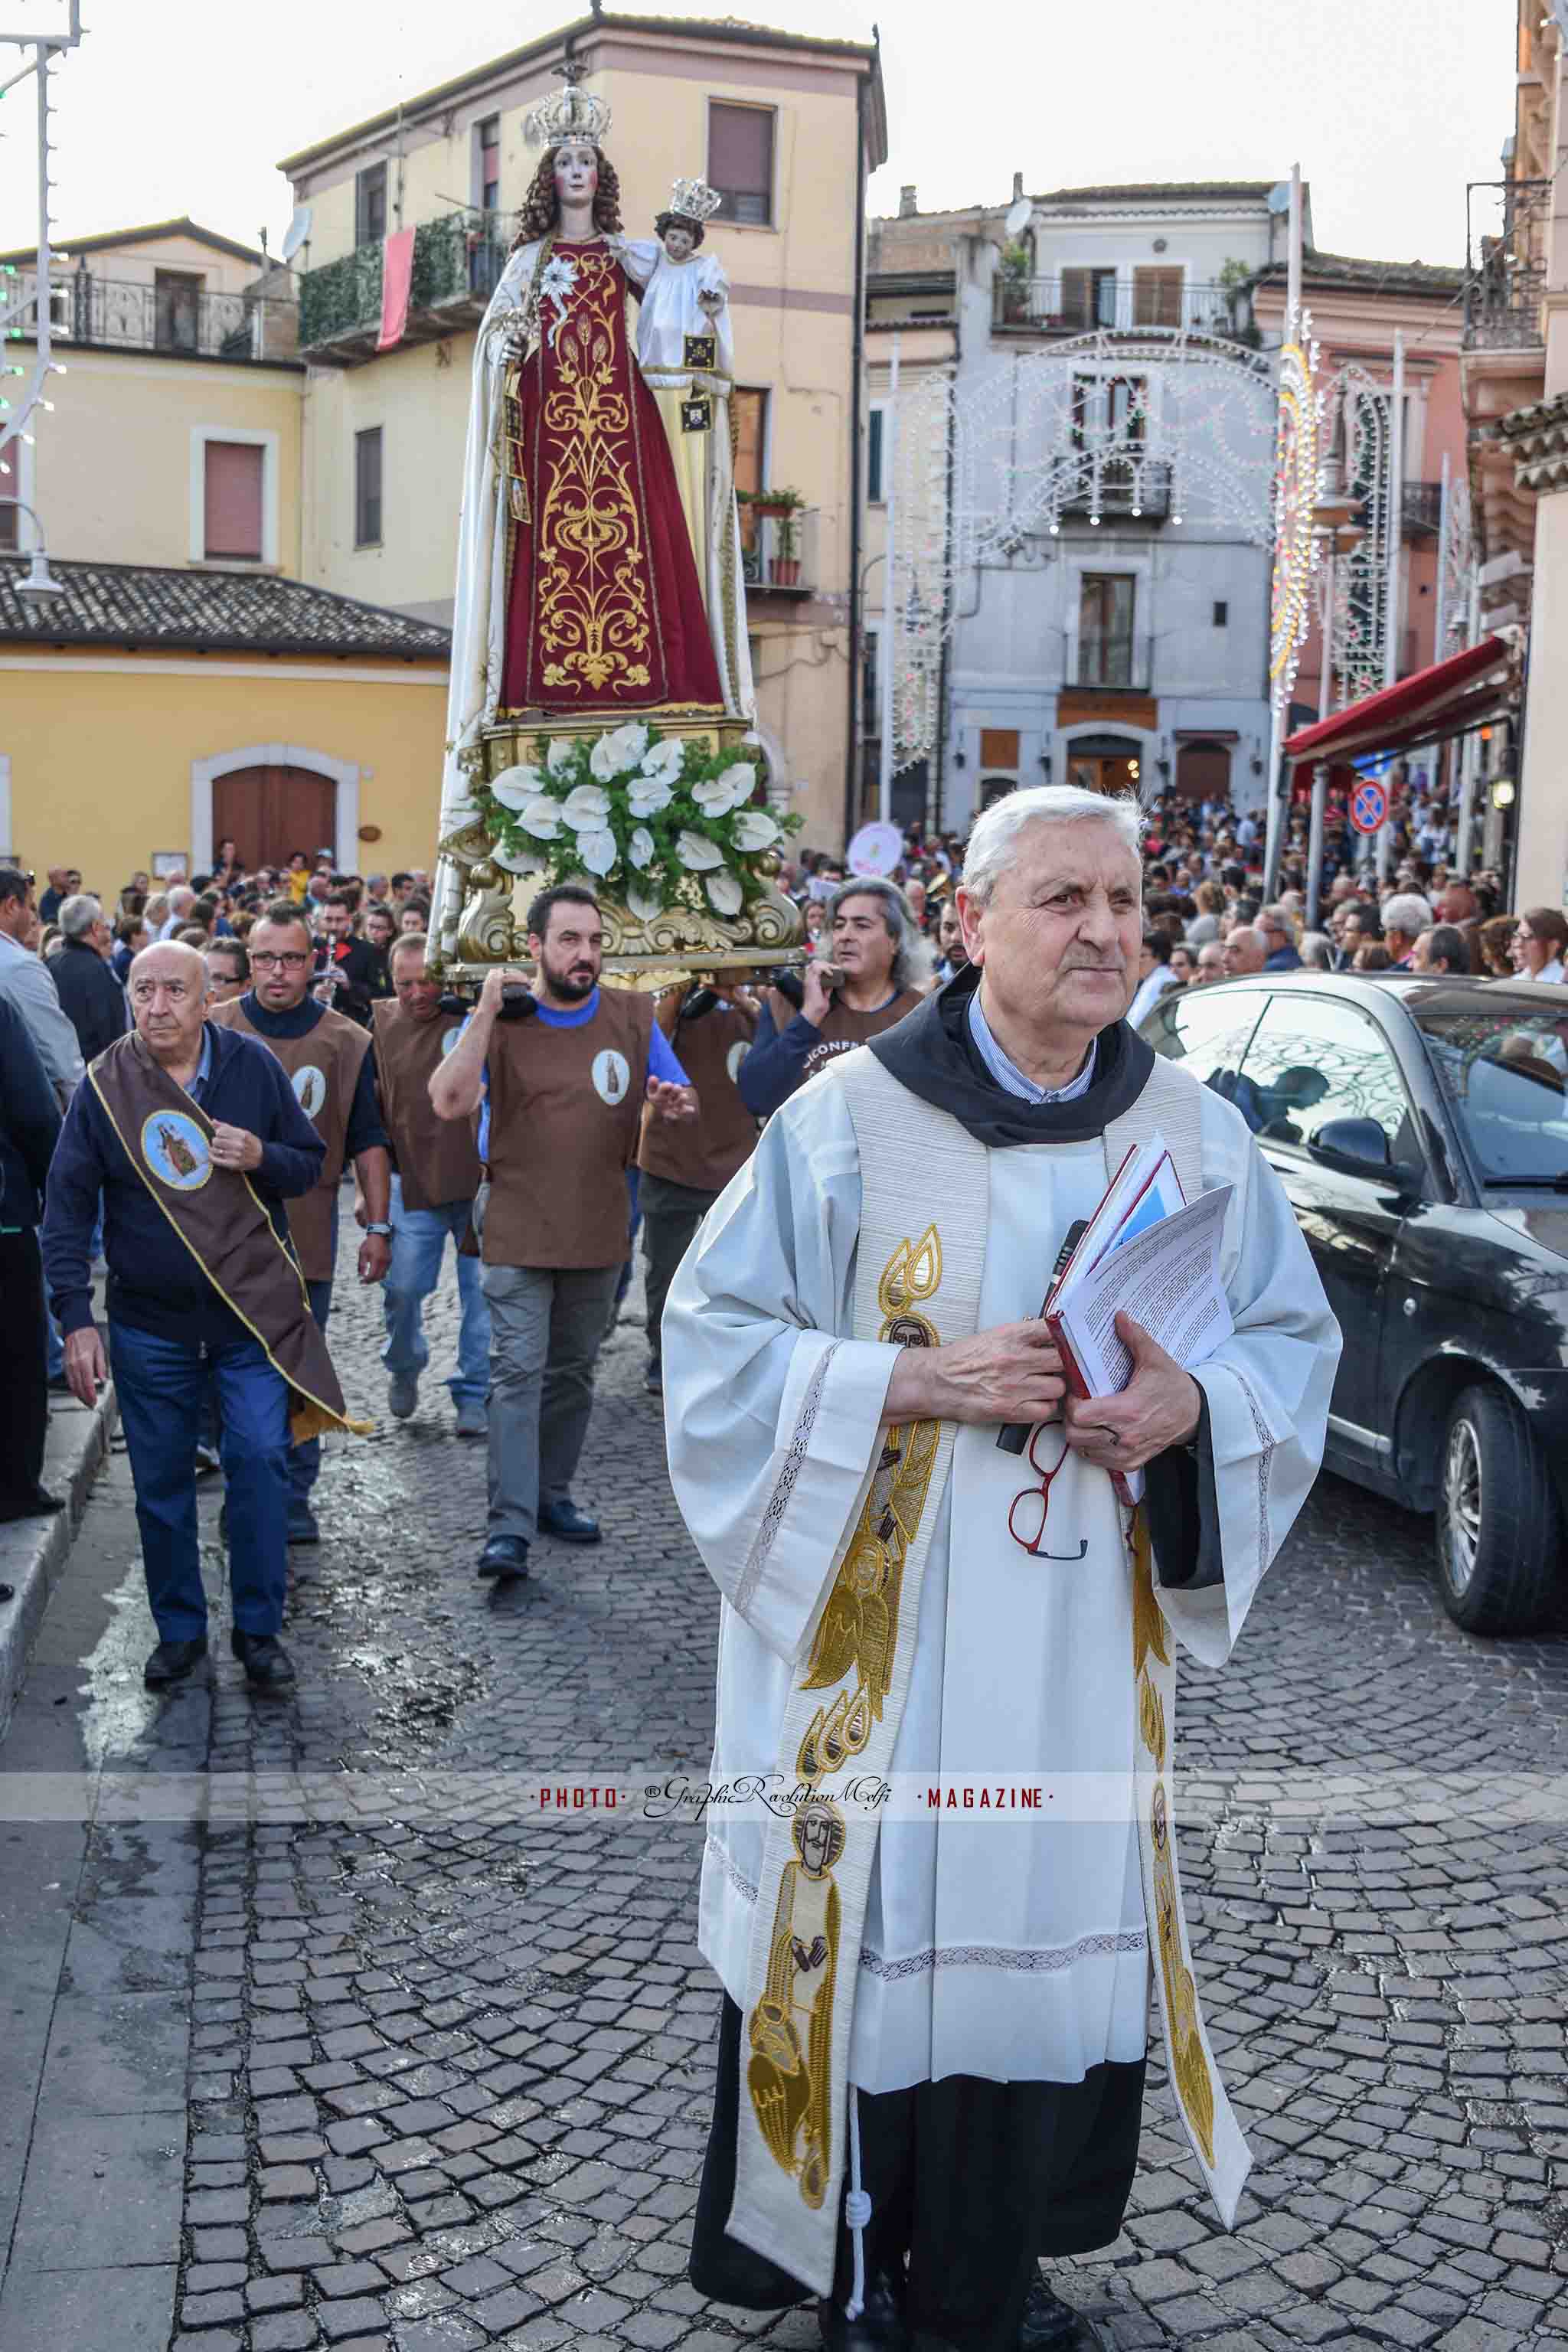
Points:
(931, 1051)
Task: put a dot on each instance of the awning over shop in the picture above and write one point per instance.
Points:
(1447, 699)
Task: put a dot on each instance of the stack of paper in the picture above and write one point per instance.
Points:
(1148, 1253)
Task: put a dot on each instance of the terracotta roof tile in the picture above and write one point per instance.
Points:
(147, 604)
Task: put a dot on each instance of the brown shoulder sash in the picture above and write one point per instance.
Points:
(223, 1223)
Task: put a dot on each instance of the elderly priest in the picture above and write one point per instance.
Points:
(931, 2052)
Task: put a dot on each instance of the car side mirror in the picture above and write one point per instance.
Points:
(1358, 1147)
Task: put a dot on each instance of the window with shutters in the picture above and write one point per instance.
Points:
(875, 424)
(1105, 629)
(9, 516)
(233, 502)
(370, 205)
(741, 161)
(1089, 299)
(486, 150)
(367, 487)
(1157, 296)
(998, 746)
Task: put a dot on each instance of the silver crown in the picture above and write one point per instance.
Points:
(694, 200)
(570, 113)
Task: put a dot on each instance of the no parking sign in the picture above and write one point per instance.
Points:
(1369, 805)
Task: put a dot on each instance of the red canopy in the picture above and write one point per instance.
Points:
(1446, 699)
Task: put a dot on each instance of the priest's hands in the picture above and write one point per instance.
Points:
(1158, 1408)
(1010, 1374)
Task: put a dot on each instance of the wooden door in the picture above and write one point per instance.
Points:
(272, 812)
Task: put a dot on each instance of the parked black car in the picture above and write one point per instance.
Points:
(1421, 1130)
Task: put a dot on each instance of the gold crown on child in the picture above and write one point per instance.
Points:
(694, 200)
(570, 113)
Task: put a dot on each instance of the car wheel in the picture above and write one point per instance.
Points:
(1498, 1532)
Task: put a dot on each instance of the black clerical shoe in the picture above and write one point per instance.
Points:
(267, 1666)
(37, 1503)
(566, 1522)
(171, 1661)
(881, 2325)
(1049, 2325)
(303, 1528)
(505, 1557)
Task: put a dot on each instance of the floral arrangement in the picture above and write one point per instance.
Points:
(660, 821)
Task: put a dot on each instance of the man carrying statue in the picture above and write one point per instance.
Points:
(932, 2046)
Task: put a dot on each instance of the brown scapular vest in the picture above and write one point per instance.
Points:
(565, 1108)
(438, 1161)
(842, 1028)
(705, 1151)
(323, 1070)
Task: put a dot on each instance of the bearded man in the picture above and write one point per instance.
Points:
(931, 2053)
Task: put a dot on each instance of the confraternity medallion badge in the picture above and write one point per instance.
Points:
(176, 1151)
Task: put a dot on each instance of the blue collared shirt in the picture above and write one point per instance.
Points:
(1008, 1074)
(199, 1086)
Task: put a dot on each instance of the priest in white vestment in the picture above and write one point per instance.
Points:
(933, 2049)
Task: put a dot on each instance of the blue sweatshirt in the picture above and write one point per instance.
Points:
(154, 1283)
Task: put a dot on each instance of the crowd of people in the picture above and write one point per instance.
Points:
(535, 1133)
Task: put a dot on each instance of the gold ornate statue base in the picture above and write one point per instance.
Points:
(479, 906)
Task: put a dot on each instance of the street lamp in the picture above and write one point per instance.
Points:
(40, 580)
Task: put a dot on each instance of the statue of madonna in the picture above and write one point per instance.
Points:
(577, 589)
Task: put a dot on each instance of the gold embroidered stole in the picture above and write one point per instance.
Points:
(918, 1282)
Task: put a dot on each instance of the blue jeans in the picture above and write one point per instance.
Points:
(160, 1385)
(418, 1246)
(305, 1461)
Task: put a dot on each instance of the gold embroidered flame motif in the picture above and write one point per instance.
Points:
(1188, 2064)
(594, 618)
(791, 2028)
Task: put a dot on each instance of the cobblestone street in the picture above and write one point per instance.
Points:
(439, 2077)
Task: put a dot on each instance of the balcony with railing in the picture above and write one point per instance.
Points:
(779, 552)
(1080, 301)
(458, 260)
(181, 319)
(1505, 286)
(1136, 489)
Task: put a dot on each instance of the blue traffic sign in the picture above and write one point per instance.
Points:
(1369, 806)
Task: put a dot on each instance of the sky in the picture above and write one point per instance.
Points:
(175, 107)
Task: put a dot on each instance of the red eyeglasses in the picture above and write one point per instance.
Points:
(1026, 1519)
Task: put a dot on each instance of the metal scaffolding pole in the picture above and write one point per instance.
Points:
(1391, 600)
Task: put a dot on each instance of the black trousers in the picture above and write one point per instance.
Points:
(969, 2182)
(24, 1385)
(670, 1216)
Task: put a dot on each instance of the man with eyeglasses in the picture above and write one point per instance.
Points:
(194, 1139)
(333, 1074)
(931, 1575)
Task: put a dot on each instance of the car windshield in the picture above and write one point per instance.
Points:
(1505, 1073)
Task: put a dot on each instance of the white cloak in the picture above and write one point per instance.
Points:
(1016, 1949)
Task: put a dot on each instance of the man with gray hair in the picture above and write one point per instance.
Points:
(90, 997)
(873, 974)
(182, 899)
(952, 2030)
(1405, 917)
(26, 979)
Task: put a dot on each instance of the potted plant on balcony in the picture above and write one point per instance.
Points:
(784, 506)
(1017, 266)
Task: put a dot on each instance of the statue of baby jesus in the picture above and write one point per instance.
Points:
(683, 325)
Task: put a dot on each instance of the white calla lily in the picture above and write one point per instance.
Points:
(562, 753)
(515, 787)
(724, 893)
(642, 846)
(586, 808)
(519, 861)
(645, 901)
(597, 850)
(614, 753)
(713, 796)
(696, 852)
(541, 816)
(755, 829)
(740, 780)
(666, 760)
(646, 795)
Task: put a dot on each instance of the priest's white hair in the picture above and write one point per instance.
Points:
(992, 835)
(913, 957)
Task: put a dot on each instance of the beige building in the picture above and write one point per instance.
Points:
(183, 683)
(787, 127)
